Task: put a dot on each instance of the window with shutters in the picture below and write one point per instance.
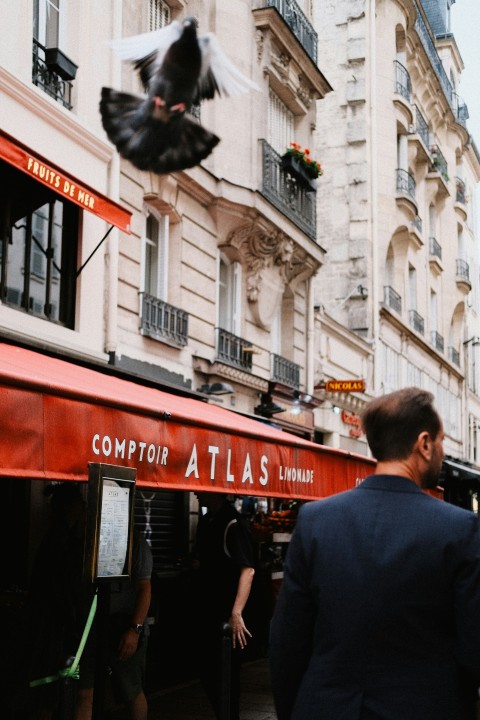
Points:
(280, 124)
(159, 15)
(38, 248)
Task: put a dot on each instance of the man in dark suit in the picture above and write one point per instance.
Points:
(378, 617)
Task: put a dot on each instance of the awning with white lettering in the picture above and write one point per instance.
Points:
(65, 185)
(57, 417)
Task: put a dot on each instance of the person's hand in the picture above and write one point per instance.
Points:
(128, 644)
(239, 630)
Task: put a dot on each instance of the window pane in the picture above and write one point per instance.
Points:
(38, 266)
(151, 256)
(280, 124)
(15, 264)
(55, 277)
(52, 23)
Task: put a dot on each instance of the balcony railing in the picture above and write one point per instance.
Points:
(285, 371)
(286, 193)
(48, 80)
(405, 183)
(437, 341)
(403, 85)
(461, 110)
(392, 299)
(439, 162)
(417, 223)
(416, 321)
(298, 24)
(435, 248)
(454, 355)
(460, 190)
(233, 350)
(421, 127)
(433, 56)
(462, 270)
(162, 321)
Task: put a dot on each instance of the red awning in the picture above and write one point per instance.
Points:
(57, 417)
(63, 184)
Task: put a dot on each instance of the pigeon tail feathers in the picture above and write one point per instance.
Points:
(153, 145)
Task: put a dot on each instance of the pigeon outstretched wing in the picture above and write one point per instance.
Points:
(218, 73)
(178, 69)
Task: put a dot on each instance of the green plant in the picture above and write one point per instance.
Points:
(312, 167)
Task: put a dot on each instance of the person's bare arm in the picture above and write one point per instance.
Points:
(129, 640)
(239, 630)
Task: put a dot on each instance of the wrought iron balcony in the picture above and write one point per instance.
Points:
(434, 247)
(162, 321)
(416, 321)
(462, 270)
(403, 85)
(461, 109)
(460, 190)
(454, 355)
(437, 341)
(286, 193)
(49, 79)
(432, 54)
(421, 127)
(406, 184)
(233, 350)
(392, 299)
(439, 162)
(298, 24)
(285, 371)
(417, 223)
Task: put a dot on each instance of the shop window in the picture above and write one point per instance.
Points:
(38, 248)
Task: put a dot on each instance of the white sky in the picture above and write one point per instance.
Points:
(465, 22)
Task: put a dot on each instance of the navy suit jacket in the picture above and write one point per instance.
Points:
(378, 615)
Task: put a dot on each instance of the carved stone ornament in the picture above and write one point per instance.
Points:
(271, 260)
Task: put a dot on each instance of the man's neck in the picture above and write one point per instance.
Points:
(403, 468)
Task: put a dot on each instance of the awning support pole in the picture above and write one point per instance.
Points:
(95, 250)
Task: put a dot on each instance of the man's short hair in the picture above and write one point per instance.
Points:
(393, 422)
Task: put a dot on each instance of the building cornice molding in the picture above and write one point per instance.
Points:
(36, 102)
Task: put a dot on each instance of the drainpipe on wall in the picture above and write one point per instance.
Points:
(111, 254)
(309, 379)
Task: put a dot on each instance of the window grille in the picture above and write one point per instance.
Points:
(159, 15)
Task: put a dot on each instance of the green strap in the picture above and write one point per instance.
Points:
(73, 670)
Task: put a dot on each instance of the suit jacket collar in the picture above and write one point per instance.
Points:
(390, 483)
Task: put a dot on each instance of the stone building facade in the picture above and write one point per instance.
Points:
(396, 205)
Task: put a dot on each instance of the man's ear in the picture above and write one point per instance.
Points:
(424, 445)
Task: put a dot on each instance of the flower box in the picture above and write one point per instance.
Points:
(297, 170)
(58, 62)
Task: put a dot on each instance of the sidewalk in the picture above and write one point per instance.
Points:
(188, 702)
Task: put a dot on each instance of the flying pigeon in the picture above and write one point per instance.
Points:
(178, 69)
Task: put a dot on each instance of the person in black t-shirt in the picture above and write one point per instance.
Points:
(226, 568)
